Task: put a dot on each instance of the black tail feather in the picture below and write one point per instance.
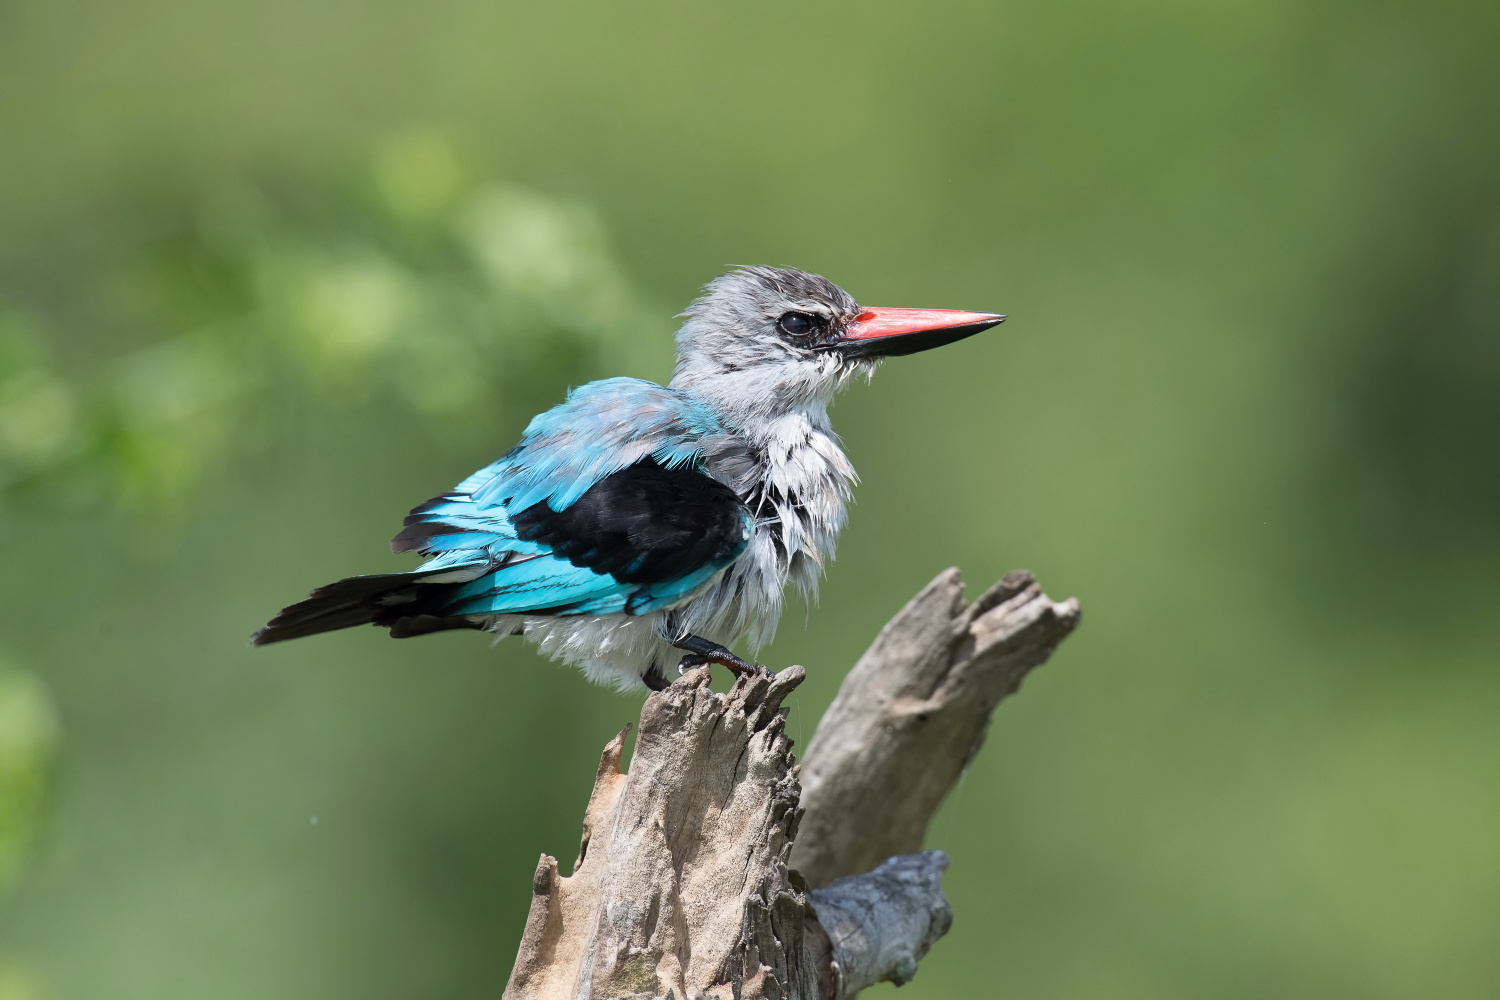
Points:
(398, 601)
(410, 625)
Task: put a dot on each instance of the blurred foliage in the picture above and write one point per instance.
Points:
(28, 741)
(37, 407)
(28, 748)
(261, 292)
(421, 284)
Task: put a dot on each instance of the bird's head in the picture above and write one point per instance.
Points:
(768, 340)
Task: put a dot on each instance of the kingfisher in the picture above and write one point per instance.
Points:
(637, 526)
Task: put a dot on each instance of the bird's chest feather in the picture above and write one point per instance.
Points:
(798, 499)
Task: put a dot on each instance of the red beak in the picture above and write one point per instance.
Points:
(893, 332)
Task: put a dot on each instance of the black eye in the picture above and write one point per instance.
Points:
(796, 324)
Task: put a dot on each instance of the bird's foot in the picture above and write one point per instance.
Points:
(702, 651)
(736, 665)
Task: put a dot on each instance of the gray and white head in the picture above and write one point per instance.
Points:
(766, 340)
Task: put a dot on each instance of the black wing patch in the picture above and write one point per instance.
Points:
(644, 524)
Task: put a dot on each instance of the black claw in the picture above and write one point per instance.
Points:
(690, 661)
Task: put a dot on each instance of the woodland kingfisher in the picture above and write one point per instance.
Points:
(635, 523)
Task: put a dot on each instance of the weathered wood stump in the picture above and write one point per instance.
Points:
(709, 872)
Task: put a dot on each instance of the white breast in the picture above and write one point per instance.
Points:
(797, 492)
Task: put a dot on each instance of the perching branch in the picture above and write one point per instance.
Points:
(682, 887)
(911, 715)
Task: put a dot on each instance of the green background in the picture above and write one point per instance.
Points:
(1247, 409)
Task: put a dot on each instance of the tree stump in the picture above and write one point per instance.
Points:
(708, 872)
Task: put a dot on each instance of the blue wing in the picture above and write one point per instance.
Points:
(604, 507)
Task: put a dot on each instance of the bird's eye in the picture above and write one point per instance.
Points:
(796, 324)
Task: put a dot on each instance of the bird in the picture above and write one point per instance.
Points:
(635, 526)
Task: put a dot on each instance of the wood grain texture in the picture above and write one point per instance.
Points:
(911, 715)
(681, 886)
(881, 923)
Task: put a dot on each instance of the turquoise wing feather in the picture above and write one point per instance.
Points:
(514, 530)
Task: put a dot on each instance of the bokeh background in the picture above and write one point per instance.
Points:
(271, 272)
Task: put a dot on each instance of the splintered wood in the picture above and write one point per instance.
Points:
(686, 883)
(682, 881)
